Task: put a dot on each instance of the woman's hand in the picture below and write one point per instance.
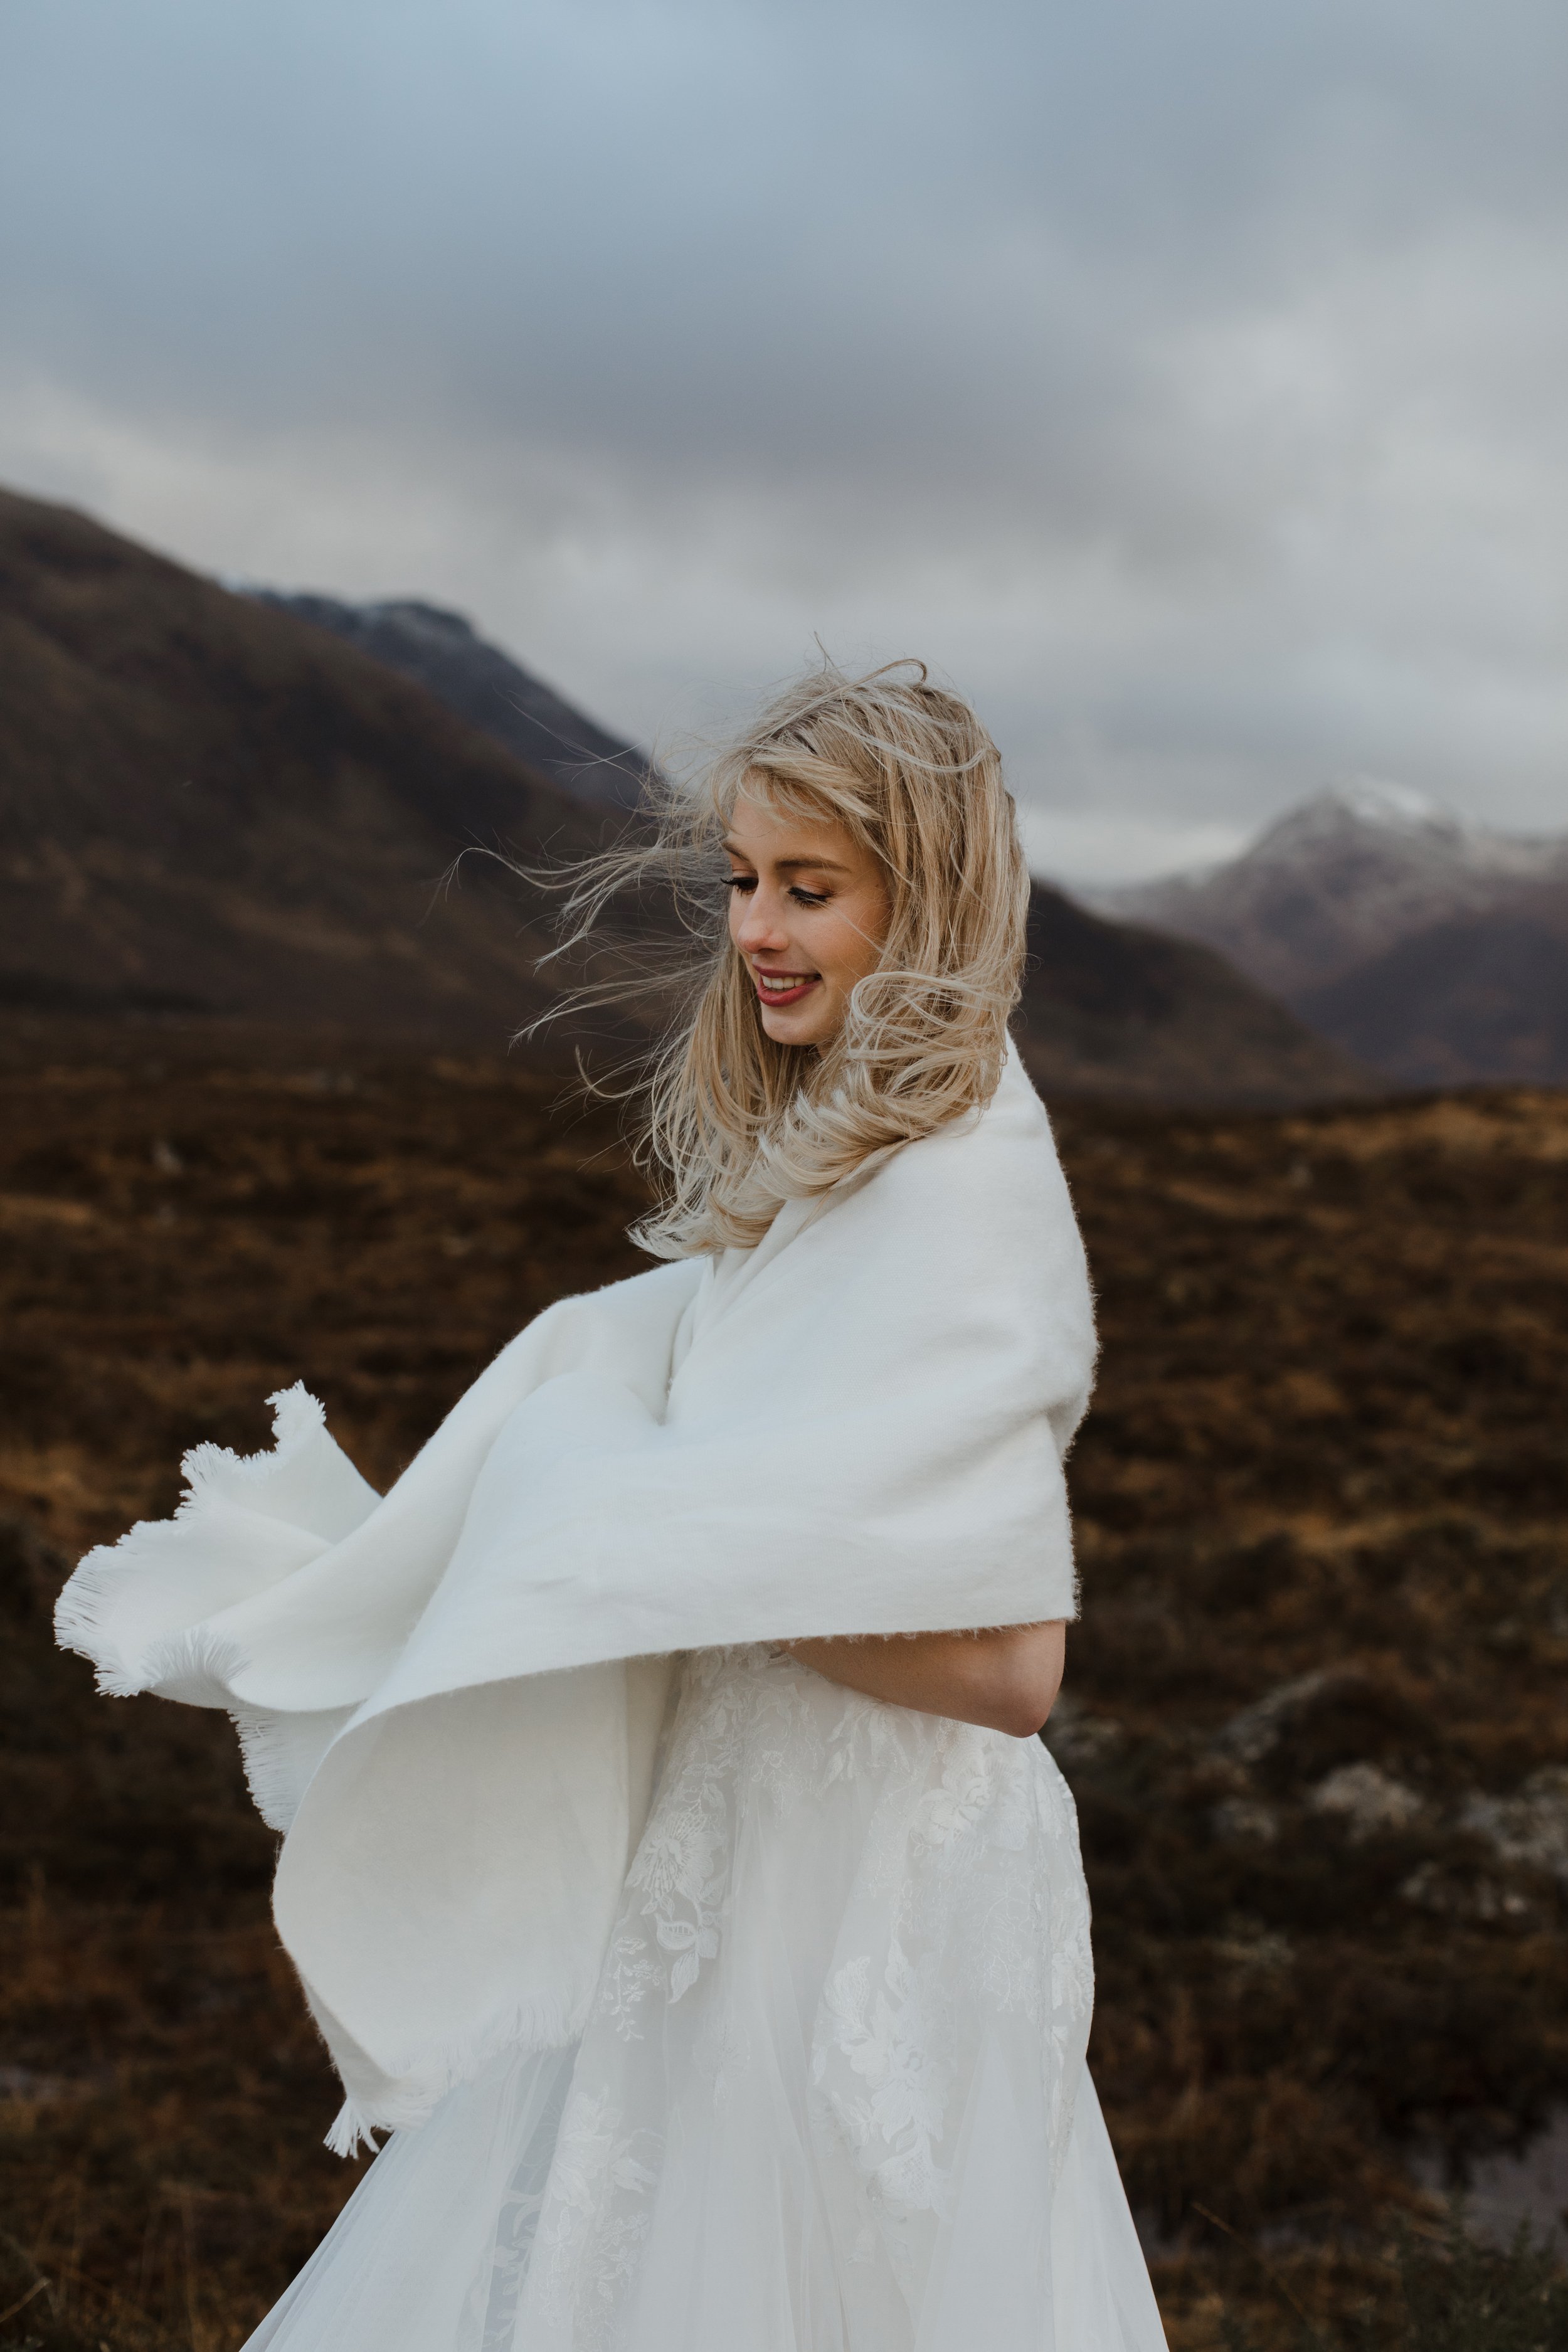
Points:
(1006, 1679)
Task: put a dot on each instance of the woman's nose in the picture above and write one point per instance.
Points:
(759, 929)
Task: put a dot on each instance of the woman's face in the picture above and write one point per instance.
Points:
(808, 912)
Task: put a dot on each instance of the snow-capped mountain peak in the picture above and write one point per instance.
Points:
(1340, 877)
(1374, 799)
(1366, 810)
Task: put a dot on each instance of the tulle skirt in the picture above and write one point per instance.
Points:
(833, 2096)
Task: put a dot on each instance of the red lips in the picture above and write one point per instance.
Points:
(780, 995)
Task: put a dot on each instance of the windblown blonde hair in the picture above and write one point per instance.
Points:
(735, 1124)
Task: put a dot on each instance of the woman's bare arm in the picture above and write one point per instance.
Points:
(1007, 1678)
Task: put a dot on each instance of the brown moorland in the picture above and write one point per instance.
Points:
(1314, 1716)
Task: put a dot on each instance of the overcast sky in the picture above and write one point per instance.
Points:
(1183, 379)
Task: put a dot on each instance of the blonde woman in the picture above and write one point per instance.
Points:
(668, 1860)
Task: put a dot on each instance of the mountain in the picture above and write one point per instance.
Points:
(443, 652)
(1115, 1009)
(1433, 951)
(211, 806)
(1482, 996)
(1343, 879)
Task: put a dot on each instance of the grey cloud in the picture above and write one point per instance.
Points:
(1194, 375)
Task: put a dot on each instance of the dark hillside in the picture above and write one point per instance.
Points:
(1112, 1009)
(206, 805)
(1314, 1714)
(1479, 996)
(444, 652)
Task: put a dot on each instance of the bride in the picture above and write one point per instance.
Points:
(669, 1861)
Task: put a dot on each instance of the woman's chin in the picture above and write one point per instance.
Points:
(809, 1024)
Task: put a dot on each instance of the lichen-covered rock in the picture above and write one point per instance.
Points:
(1370, 1802)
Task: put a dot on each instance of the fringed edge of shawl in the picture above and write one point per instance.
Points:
(281, 1752)
(351, 2131)
(413, 2088)
(296, 1417)
(87, 1602)
(272, 1785)
(197, 1667)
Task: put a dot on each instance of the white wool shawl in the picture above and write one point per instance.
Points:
(449, 1697)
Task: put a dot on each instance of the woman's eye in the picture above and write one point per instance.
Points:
(802, 898)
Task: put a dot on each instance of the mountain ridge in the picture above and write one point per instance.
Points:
(442, 651)
(1342, 875)
(213, 808)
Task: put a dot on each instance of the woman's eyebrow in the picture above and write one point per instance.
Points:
(790, 865)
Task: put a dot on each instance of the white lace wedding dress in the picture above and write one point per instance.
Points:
(832, 2097)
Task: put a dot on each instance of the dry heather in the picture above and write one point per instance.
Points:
(1314, 1718)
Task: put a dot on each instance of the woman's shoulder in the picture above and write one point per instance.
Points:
(979, 1211)
(1004, 1154)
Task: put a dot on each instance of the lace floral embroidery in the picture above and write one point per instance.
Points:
(922, 1875)
(595, 2219)
(737, 1728)
(891, 2036)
